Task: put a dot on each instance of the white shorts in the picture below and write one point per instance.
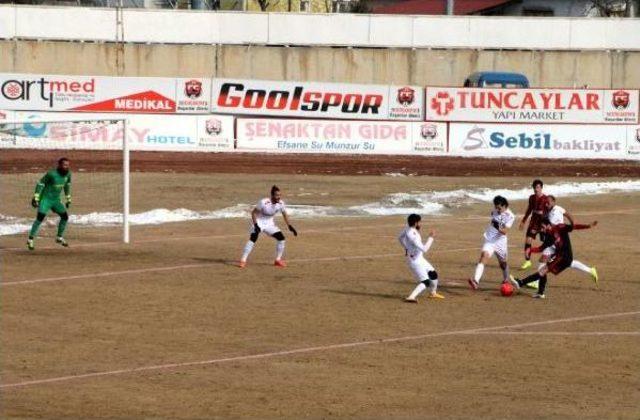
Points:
(549, 251)
(267, 226)
(420, 268)
(497, 247)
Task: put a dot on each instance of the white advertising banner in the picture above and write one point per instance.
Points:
(549, 106)
(633, 142)
(335, 136)
(34, 92)
(317, 100)
(175, 133)
(539, 141)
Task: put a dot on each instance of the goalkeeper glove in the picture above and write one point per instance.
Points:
(495, 224)
(68, 204)
(256, 228)
(35, 201)
(292, 230)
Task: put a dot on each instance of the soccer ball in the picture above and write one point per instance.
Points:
(506, 289)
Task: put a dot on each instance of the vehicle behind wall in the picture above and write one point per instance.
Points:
(493, 79)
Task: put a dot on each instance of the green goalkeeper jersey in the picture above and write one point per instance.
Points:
(51, 185)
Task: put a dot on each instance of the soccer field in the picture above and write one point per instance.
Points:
(168, 326)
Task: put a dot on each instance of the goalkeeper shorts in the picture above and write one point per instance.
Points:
(55, 205)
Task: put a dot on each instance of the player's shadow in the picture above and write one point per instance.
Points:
(221, 261)
(461, 287)
(453, 289)
(364, 294)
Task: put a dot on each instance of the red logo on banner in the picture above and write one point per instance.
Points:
(442, 103)
(620, 99)
(148, 101)
(406, 95)
(193, 88)
(12, 90)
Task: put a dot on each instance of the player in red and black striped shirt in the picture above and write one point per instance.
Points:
(537, 208)
(558, 236)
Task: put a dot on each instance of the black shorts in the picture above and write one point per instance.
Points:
(532, 233)
(535, 227)
(559, 264)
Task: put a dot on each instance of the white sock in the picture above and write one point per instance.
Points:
(505, 273)
(541, 265)
(247, 250)
(579, 266)
(479, 270)
(279, 250)
(419, 289)
(433, 286)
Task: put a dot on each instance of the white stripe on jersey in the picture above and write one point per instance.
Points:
(504, 219)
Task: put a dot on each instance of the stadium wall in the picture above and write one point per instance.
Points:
(433, 67)
(420, 50)
(356, 30)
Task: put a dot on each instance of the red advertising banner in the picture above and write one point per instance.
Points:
(552, 106)
(31, 92)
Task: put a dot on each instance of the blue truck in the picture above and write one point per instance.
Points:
(496, 79)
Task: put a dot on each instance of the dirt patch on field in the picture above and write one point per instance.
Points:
(12, 161)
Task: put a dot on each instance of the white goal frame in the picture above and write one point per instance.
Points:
(125, 158)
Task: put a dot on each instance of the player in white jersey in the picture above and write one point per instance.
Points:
(556, 216)
(262, 219)
(495, 240)
(414, 251)
(555, 213)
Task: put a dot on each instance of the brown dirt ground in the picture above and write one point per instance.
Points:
(12, 161)
(344, 284)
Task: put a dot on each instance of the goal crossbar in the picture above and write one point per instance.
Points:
(51, 121)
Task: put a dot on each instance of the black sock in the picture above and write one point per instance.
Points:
(542, 284)
(527, 252)
(533, 277)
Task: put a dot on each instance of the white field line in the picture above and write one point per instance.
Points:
(202, 265)
(435, 219)
(304, 350)
(560, 333)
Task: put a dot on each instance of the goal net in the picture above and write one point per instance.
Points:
(98, 153)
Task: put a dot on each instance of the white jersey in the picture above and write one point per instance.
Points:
(504, 220)
(556, 215)
(411, 241)
(267, 209)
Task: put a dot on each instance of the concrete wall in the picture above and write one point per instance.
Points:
(609, 69)
(316, 29)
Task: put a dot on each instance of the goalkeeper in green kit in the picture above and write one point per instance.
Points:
(47, 197)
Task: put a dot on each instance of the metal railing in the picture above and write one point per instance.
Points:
(151, 4)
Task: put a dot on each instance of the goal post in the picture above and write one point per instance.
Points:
(125, 183)
(25, 137)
